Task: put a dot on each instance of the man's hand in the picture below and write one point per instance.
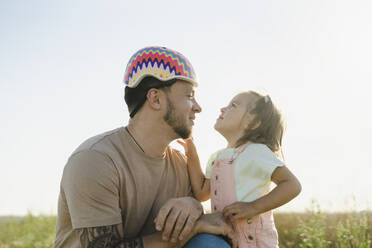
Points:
(215, 224)
(178, 215)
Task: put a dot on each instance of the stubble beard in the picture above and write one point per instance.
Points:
(175, 122)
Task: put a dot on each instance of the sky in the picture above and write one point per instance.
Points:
(61, 81)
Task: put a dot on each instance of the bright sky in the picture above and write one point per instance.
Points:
(62, 65)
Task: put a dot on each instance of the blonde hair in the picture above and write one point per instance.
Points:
(267, 126)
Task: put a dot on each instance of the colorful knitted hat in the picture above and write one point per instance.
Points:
(159, 62)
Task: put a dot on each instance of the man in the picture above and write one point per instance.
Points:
(127, 187)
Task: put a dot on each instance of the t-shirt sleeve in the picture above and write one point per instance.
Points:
(264, 160)
(91, 186)
(210, 163)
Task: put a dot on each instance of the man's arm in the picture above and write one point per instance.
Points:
(106, 236)
(176, 218)
(113, 237)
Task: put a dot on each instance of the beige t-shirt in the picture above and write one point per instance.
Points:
(109, 180)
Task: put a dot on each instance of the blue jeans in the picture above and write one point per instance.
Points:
(206, 240)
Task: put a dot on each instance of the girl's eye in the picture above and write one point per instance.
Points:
(233, 105)
(191, 96)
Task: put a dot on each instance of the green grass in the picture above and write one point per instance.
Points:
(318, 229)
(305, 230)
(27, 232)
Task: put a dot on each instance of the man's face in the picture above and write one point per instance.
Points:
(181, 108)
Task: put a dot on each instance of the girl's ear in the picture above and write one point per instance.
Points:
(256, 125)
(153, 98)
(250, 122)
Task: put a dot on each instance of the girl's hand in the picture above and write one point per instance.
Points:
(239, 210)
(215, 224)
(188, 145)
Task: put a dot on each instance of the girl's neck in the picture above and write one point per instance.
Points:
(232, 139)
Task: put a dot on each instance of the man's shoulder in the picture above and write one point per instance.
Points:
(95, 142)
(176, 153)
(92, 154)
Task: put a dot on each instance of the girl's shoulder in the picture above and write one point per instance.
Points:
(260, 155)
(216, 153)
(210, 162)
(220, 154)
(224, 153)
(257, 148)
(253, 151)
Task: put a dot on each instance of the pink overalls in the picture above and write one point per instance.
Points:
(258, 231)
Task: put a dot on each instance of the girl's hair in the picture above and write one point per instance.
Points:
(270, 127)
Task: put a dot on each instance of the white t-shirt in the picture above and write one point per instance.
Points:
(253, 170)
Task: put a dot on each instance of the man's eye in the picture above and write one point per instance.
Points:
(191, 96)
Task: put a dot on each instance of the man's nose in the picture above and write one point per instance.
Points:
(222, 109)
(196, 107)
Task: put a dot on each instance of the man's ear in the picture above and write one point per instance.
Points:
(153, 98)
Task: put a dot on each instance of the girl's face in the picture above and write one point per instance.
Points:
(235, 117)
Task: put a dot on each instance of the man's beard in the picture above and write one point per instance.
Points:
(175, 122)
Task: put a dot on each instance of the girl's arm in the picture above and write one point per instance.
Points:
(288, 187)
(199, 183)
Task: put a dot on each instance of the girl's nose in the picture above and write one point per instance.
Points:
(223, 109)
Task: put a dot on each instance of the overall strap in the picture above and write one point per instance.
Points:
(239, 150)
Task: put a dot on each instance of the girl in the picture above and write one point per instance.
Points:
(238, 177)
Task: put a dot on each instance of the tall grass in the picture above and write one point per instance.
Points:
(27, 232)
(325, 230)
(301, 230)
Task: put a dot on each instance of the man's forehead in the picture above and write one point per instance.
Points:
(183, 86)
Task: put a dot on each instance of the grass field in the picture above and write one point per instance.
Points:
(313, 229)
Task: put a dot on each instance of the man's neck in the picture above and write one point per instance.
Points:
(153, 139)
